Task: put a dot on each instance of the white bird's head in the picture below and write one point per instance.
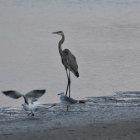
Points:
(59, 33)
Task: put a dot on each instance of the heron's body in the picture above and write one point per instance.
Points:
(30, 99)
(68, 60)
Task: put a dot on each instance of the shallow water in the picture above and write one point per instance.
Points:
(124, 105)
(103, 35)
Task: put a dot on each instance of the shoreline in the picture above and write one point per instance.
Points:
(83, 122)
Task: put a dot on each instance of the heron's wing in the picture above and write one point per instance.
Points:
(34, 94)
(71, 61)
(70, 100)
(13, 94)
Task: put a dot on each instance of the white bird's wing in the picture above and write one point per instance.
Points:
(12, 93)
(35, 94)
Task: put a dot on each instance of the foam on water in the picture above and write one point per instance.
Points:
(121, 101)
(127, 98)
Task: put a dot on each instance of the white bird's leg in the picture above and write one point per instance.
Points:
(29, 114)
(68, 82)
(32, 113)
(67, 107)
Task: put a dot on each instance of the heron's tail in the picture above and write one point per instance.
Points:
(77, 74)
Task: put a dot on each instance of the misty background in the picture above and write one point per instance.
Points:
(104, 35)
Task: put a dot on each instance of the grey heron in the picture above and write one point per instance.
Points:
(68, 100)
(30, 99)
(68, 60)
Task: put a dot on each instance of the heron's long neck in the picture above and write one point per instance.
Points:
(60, 44)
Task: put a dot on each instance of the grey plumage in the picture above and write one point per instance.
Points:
(67, 100)
(30, 98)
(68, 60)
(13, 94)
(35, 93)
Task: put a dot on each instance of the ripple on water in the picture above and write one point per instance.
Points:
(120, 99)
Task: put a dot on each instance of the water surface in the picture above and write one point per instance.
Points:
(103, 35)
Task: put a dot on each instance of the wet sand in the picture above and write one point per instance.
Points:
(90, 121)
(123, 130)
(126, 130)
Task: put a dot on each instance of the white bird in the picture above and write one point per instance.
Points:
(30, 99)
(68, 100)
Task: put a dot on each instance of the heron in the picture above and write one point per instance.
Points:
(68, 60)
(68, 100)
(30, 98)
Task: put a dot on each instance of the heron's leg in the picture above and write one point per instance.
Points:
(68, 82)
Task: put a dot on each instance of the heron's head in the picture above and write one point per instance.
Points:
(59, 33)
(62, 93)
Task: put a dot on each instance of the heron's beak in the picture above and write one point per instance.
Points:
(60, 93)
(54, 33)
